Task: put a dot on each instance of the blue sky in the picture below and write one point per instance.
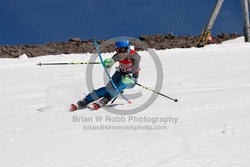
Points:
(41, 21)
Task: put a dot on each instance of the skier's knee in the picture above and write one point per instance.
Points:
(130, 86)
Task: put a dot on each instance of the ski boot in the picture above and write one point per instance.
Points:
(101, 103)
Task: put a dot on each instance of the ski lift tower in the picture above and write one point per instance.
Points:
(202, 41)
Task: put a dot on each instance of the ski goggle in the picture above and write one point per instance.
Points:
(121, 50)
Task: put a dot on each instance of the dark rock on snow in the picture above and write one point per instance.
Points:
(76, 45)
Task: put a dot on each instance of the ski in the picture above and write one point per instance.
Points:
(93, 107)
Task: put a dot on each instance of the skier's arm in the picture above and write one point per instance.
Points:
(136, 62)
(117, 57)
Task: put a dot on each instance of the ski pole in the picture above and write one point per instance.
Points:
(71, 63)
(175, 100)
(113, 100)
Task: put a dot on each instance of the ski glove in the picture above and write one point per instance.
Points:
(127, 79)
(108, 62)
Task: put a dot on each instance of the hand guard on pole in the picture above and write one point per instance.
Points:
(127, 79)
(109, 62)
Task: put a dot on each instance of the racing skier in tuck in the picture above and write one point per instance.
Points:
(124, 78)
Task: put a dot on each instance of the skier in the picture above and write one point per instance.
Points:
(124, 78)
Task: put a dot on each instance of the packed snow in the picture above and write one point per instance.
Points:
(208, 127)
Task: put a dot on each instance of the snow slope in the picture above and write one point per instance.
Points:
(213, 127)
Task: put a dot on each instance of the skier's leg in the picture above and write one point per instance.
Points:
(131, 85)
(121, 86)
(110, 88)
(111, 91)
(102, 102)
(117, 76)
(93, 96)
